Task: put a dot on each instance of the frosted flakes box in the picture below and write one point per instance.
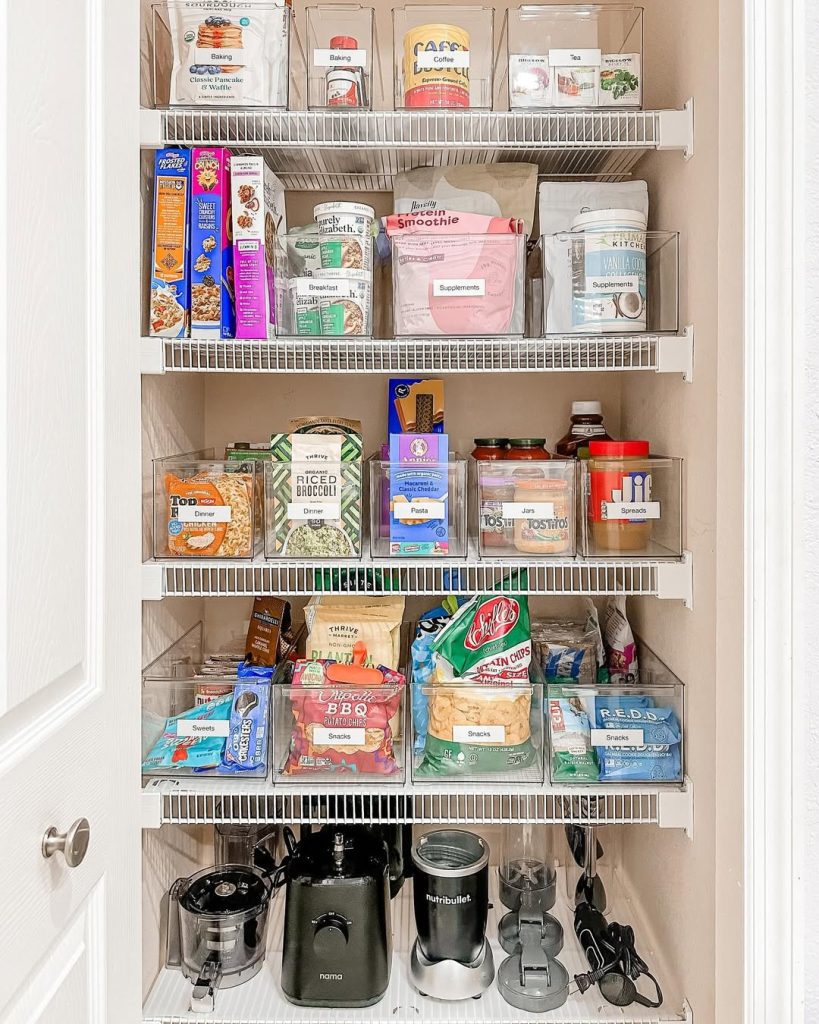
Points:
(211, 248)
(170, 285)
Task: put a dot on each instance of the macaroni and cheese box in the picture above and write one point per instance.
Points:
(419, 502)
(211, 250)
(170, 284)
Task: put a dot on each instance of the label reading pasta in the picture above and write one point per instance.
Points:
(421, 510)
(203, 513)
(339, 737)
(478, 734)
(202, 727)
(617, 737)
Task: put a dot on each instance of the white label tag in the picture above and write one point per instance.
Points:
(448, 59)
(478, 734)
(203, 727)
(575, 58)
(339, 737)
(318, 510)
(528, 510)
(617, 737)
(422, 510)
(631, 510)
(221, 57)
(446, 288)
(203, 513)
(310, 287)
(627, 283)
(339, 58)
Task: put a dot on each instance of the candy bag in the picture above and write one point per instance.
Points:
(193, 740)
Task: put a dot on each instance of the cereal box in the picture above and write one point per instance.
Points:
(211, 253)
(419, 502)
(170, 285)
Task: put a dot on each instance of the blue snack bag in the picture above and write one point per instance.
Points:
(247, 741)
(644, 764)
(658, 725)
(192, 741)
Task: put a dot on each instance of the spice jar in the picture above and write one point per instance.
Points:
(543, 523)
(620, 505)
(528, 448)
(488, 449)
(496, 488)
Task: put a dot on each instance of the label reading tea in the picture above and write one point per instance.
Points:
(446, 287)
(339, 737)
(203, 513)
(202, 727)
(576, 58)
(528, 510)
(617, 737)
(479, 734)
(339, 58)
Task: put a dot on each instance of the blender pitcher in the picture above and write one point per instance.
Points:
(527, 867)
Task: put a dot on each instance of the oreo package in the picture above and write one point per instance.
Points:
(248, 739)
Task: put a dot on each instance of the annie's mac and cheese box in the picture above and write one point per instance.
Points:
(211, 249)
(170, 284)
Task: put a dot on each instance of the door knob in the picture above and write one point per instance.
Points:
(73, 844)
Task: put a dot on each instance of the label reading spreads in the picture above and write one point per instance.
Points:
(203, 513)
(626, 283)
(339, 58)
(314, 510)
(631, 510)
(202, 727)
(528, 510)
(479, 734)
(576, 58)
(423, 510)
(446, 287)
(431, 59)
(617, 737)
(339, 737)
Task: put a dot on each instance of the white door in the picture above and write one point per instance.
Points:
(69, 684)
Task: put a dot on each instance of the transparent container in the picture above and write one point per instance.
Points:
(233, 55)
(478, 733)
(443, 56)
(434, 494)
(525, 508)
(632, 506)
(312, 510)
(339, 735)
(574, 56)
(205, 507)
(610, 282)
(526, 867)
(458, 285)
(340, 57)
(252, 845)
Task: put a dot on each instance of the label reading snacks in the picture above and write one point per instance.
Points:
(478, 734)
(448, 287)
(617, 737)
(339, 737)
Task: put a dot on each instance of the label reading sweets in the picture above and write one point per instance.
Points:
(528, 510)
(423, 510)
(575, 58)
(617, 737)
(339, 737)
(479, 734)
(631, 510)
(627, 283)
(202, 727)
(314, 510)
(449, 59)
(203, 513)
(339, 58)
(458, 286)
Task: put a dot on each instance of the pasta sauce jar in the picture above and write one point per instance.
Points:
(620, 506)
(531, 449)
(488, 449)
(436, 66)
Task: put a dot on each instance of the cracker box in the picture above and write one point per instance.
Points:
(415, 406)
(419, 501)
(211, 251)
(170, 285)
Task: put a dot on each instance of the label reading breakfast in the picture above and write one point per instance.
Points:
(202, 727)
(631, 510)
(314, 510)
(617, 737)
(339, 737)
(203, 513)
(479, 734)
(448, 287)
(339, 58)
(627, 283)
(310, 287)
(422, 510)
(528, 510)
(431, 59)
(576, 58)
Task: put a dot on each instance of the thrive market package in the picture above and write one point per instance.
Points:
(170, 285)
(212, 310)
(337, 624)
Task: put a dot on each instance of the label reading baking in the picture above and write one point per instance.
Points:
(617, 737)
(631, 510)
(458, 286)
(626, 283)
(421, 510)
(339, 58)
(202, 727)
(202, 513)
(528, 510)
(339, 737)
(448, 59)
(576, 58)
(222, 57)
(314, 510)
(479, 734)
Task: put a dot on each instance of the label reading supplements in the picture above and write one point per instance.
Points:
(446, 287)
(626, 283)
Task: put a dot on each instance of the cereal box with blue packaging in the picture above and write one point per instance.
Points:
(419, 500)
(211, 250)
(170, 283)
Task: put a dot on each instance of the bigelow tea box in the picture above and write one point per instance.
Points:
(170, 285)
(211, 251)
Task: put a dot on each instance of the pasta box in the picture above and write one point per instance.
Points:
(419, 502)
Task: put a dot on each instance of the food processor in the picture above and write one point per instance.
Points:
(255, 845)
(216, 929)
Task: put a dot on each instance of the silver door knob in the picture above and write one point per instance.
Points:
(73, 844)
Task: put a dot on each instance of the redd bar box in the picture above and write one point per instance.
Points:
(211, 249)
(419, 502)
(170, 285)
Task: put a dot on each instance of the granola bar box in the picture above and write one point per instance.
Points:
(170, 285)
(211, 250)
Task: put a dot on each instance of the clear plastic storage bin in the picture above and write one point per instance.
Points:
(312, 510)
(612, 278)
(424, 515)
(205, 507)
(632, 504)
(443, 56)
(340, 57)
(525, 508)
(230, 55)
(574, 56)
(458, 285)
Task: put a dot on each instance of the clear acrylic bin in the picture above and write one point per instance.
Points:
(632, 506)
(339, 734)
(458, 285)
(230, 55)
(525, 508)
(574, 56)
(610, 282)
(434, 494)
(312, 510)
(478, 733)
(340, 57)
(205, 507)
(443, 56)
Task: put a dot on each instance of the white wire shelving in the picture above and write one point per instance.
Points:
(660, 353)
